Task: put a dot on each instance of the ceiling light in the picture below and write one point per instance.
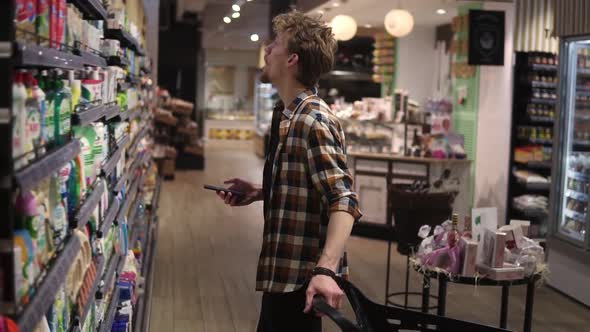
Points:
(343, 27)
(248, 0)
(254, 37)
(236, 8)
(227, 20)
(336, 4)
(321, 12)
(235, 15)
(399, 23)
(441, 11)
(368, 26)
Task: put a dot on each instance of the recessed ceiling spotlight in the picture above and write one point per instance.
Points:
(248, 0)
(227, 20)
(336, 4)
(368, 26)
(235, 15)
(236, 8)
(254, 37)
(441, 11)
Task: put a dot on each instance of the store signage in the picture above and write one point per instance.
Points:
(486, 37)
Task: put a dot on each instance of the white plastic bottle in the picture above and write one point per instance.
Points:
(19, 111)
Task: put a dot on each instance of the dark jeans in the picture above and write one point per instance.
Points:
(283, 312)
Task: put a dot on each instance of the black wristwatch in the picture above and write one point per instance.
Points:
(323, 271)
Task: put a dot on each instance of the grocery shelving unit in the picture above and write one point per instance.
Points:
(16, 54)
(532, 110)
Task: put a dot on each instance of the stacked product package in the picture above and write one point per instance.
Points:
(503, 253)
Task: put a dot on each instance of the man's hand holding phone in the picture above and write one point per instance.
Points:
(249, 193)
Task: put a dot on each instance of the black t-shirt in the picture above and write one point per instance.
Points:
(272, 147)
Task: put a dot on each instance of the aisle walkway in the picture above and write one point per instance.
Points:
(206, 262)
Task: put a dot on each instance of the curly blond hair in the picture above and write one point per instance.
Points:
(312, 40)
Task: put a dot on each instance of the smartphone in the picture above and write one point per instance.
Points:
(216, 188)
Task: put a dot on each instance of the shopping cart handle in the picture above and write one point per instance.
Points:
(320, 305)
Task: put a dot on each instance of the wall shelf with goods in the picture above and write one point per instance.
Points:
(533, 118)
(75, 147)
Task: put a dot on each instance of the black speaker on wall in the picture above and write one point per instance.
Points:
(486, 37)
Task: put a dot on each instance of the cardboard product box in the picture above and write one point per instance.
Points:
(194, 150)
(524, 224)
(493, 248)
(167, 167)
(514, 236)
(469, 257)
(506, 272)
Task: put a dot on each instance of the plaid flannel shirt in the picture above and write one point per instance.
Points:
(307, 180)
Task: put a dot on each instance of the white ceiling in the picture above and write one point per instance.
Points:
(254, 16)
(373, 11)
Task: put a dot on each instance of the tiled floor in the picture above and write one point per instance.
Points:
(207, 253)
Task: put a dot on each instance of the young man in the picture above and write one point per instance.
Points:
(309, 202)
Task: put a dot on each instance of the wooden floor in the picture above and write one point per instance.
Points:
(207, 253)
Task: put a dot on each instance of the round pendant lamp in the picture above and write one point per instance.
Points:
(344, 27)
(399, 22)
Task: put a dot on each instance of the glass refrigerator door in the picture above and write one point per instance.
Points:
(575, 142)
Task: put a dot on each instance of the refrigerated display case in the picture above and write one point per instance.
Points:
(265, 97)
(569, 245)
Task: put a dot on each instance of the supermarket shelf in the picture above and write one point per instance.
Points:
(120, 183)
(537, 141)
(91, 294)
(144, 303)
(30, 55)
(111, 164)
(582, 143)
(156, 197)
(576, 195)
(543, 101)
(535, 186)
(575, 215)
(126, 39)
(124, 115)
(584, 71)
(133, 79)
(112, 111)
(539, 84)
(91, 59)
(118, 61)
(135, 113)
(110, 217)
(585, 93)
(46, 292)
(133, 213)
(89, 204)
(578, 176)
(88, 114)
(540, 120)
(91, 9)
(107, 323)
(345, 75)
(51, 163)
(536, 164)
(132, 151)
(521, 214)
(543, 67)
(112, 270)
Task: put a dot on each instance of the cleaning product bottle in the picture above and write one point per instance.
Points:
(63, 110)
(48, 131)
(39, 139)
(76, 88)
(33, 126)
(66, 109)
(19, 96)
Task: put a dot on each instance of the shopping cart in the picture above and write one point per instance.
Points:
(373, 317)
